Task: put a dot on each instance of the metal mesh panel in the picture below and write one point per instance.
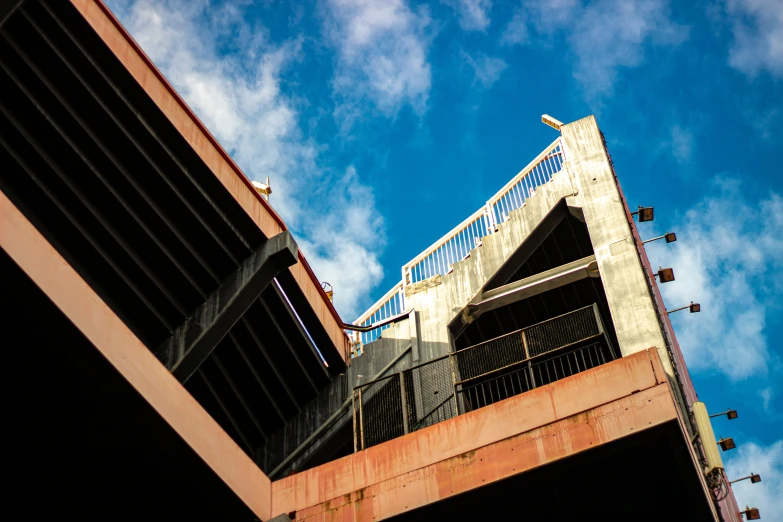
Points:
(380, 415)
(429, 393)
(561, 331)
(527, 376)
(489, 356)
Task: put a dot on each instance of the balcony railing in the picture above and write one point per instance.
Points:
(455, 246)
(479, 375)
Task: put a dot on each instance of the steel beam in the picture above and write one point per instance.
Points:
(194, 340)
(7, 9)
(534, 285)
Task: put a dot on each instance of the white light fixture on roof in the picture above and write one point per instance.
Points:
(552, 122)
(263, 188)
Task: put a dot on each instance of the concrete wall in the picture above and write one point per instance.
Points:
(588, 182)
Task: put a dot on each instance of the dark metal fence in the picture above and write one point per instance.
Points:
(528, 375)
(478, 376)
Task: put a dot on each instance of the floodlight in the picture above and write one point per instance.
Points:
(731, 414)
(552, 122)
(328, 290)
(665, 275)
(726, 444)
(754, 479)
(263, 188)
(644, 213)
(693, 308)
(670, 237)
(751, 513)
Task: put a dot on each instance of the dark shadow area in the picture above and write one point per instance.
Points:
(83, 443)
(646, 476)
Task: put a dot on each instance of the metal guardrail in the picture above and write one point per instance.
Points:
(439, 258)
(479, 375)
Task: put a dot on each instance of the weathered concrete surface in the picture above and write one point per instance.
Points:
(99, 324)
(209, 150)
(498, 441)
(439, 299)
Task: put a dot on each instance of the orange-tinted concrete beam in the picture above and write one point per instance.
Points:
(500, 460)
(98, 323)
(211, 152)
(521, 414)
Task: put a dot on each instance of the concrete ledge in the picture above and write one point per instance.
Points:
(415, 453)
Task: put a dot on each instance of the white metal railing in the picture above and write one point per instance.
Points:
(455, 246)
(392, 303)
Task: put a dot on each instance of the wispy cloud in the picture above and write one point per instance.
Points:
(729, 258)
(604, 35)
(382, 57)
(241, 97)
(757, 26)
(473, 15)
(682, 143)
(487, 69)
(766, 461)
(516, 31)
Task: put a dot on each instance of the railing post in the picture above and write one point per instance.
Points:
(492, 222)
(529, 362)
(454, 382)
(361, 419)
(353, 414)
(404, 404)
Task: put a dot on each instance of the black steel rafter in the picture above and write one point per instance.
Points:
(240, 396)
(257, 377)
(195, 339)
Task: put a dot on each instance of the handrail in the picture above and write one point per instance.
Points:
(455, 245)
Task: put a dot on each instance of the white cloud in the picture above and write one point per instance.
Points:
(728, 258)
(757, 26)
(766, 461)
(381, 55)
(516, 31)
(231, 75)
(681, 143)
(604, 35)
(473, 14)
(487, 69)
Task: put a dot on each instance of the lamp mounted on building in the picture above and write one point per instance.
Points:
(665, 275)
(754, 479)
(693, 307)
(670, 237)
(328, 290)
(552, 122)
(731, 414)
(726, 444)
(263, 188)
(751, 513)
(644, 213)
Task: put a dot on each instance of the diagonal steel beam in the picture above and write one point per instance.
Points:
(194, 340)
(534, 285)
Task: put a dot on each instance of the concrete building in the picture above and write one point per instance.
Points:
(174, 356)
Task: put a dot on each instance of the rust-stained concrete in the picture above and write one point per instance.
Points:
(498, 441)
(209, 150)
(100, 325)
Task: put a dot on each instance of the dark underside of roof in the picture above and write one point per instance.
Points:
(100, 171)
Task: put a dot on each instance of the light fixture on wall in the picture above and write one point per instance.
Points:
(751, 513)
(754, 479)
(670, 237)
(693, 307)
(731, 414)
(665, 275)
(726, 444)
(552, 122)
(644, 213)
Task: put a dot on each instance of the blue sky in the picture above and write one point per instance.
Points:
(384, 124)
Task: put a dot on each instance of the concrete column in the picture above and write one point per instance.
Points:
(631, 306)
